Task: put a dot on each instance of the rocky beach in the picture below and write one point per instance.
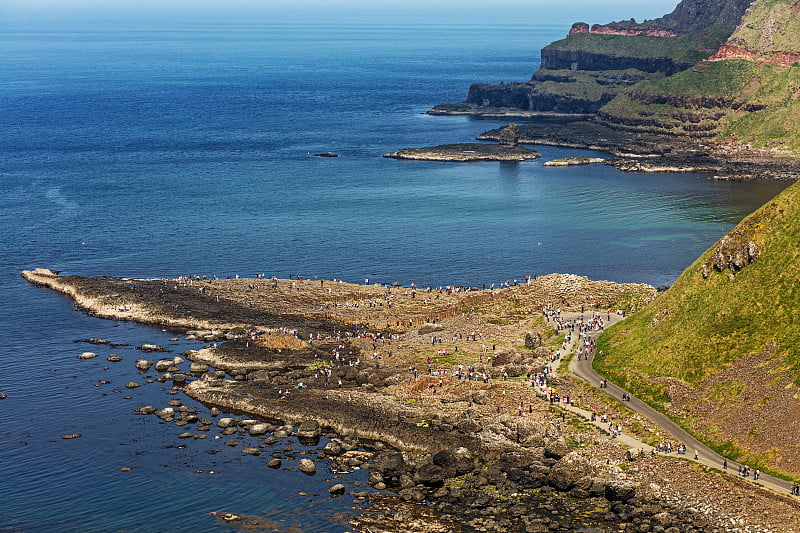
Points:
(443, 393)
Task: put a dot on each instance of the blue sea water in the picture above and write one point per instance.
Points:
(144, 149)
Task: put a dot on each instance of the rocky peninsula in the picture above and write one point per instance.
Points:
(458, 398)
(467, 153)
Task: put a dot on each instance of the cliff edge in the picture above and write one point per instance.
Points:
(586, 70)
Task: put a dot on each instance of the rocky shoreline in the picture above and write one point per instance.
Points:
(650, 152)
(432, 383)
(633, 151)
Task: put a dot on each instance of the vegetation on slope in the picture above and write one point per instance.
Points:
(718, 351)
(702, 324)
(751, 102)
(595, 86)
(770, 26)
(681, 50)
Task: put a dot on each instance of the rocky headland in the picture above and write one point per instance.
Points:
(713, 82)
(438, 392)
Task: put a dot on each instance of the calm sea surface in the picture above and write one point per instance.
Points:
(160, 150)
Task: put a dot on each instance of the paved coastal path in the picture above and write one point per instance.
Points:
(582, 368)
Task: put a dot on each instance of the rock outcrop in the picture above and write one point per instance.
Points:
(466, 153)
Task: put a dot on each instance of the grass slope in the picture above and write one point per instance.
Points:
(748, 101)
(769, 26)
(720, 352)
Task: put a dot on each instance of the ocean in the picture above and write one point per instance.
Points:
(141, 149)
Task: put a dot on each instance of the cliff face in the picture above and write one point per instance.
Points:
(535, 97)
(566, 59)
(589, 61)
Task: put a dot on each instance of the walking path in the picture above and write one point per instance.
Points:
(582, 368)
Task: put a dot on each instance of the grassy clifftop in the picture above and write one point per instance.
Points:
(681, 50)
(720, 350)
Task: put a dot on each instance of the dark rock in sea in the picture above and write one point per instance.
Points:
(144, 364)
(326, 154)
(466, 153)
(430, 475)
(337, 490)
(308, 433)
(307, 466)
(226, 422)
(274, 463)
(573, 161)
(251, 451)
(132, 385)
(114, 358)
(147, 410)
(167, 413)
(151, 348)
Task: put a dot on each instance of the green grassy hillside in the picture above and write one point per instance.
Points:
(720, 350)
(769, 26)
(749, 101)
